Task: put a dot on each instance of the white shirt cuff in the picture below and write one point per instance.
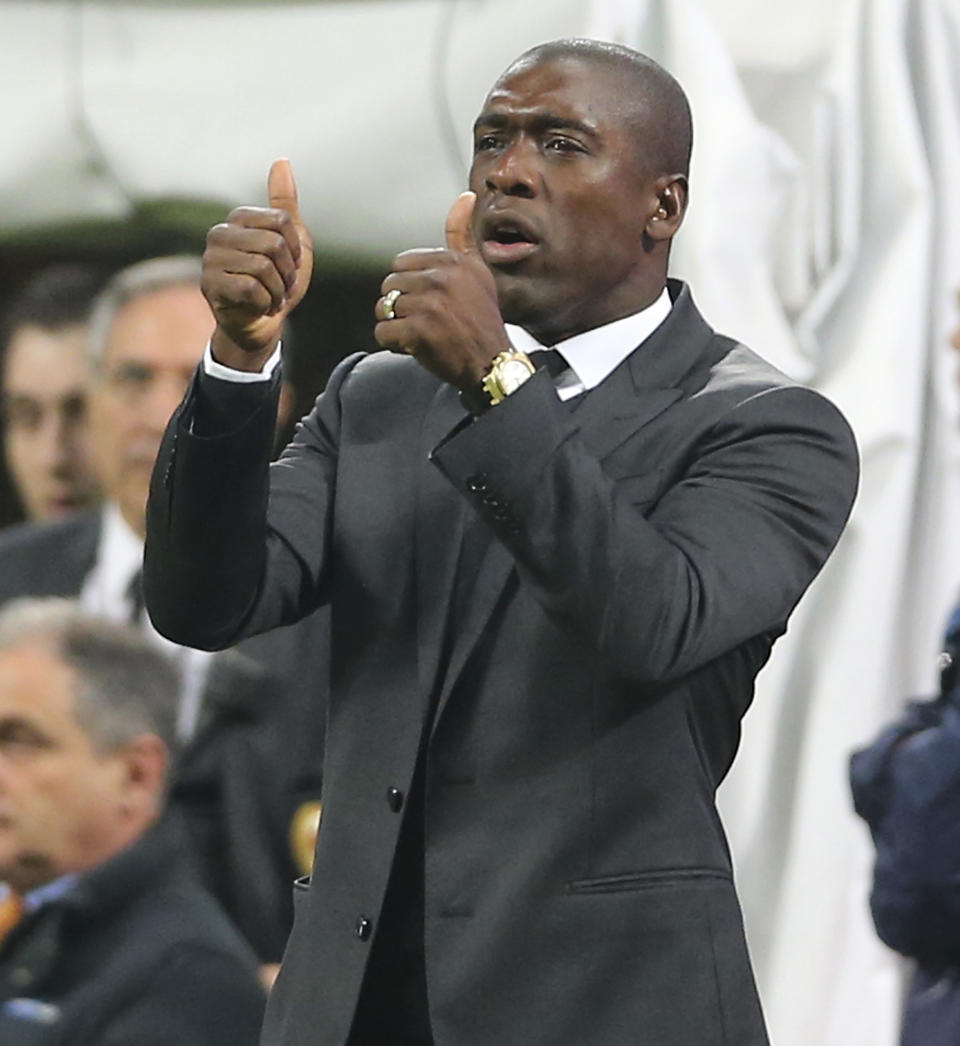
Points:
(241, 377)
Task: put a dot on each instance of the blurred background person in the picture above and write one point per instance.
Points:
(44, 376)
(252, 752)
(107, 938)
(906, 786)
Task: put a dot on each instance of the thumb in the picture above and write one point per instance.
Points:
(458, 232)
(282, 189)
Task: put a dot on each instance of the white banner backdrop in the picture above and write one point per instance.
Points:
(111, 103)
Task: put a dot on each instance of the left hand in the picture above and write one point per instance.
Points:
(447, 315)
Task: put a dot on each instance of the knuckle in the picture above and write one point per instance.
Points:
(244, 215)
(218, 234)
(261, 265)
(278, 247)
(249, 291)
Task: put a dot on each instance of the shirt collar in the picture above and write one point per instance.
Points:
(51, 891)
(37, 898)
(596, 353)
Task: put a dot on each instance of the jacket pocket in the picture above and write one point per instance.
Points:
(656, 879)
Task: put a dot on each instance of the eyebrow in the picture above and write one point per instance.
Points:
(538, 120)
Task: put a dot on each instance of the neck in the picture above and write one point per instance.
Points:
(558, 328)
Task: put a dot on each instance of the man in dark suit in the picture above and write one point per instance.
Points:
(550, 594)
(250, 721)
(106, 938)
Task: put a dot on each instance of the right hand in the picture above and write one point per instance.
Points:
(256, 268)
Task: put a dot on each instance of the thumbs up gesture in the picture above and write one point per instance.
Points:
(440, 305)
(256, 268)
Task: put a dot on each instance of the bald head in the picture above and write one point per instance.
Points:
(653, 103)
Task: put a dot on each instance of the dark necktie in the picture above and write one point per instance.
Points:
(549, 358)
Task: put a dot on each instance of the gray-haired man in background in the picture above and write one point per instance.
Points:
(106, 936)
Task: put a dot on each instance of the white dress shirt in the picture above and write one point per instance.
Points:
(106, 592)
(595, 354)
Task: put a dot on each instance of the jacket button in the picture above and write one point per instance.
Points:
(395, 799)
(363, 928)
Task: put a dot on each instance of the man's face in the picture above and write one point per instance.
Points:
(61, 801)
(562, 198)
(152, 350)
(47, 440)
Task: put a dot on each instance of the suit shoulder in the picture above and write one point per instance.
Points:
(172, 961)
(38, 559)
(376, 379)
(745, 380)
(169, 911)
(24, 537)
(734, 365)
(384, 372)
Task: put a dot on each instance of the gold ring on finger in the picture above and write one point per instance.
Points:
(389, 300)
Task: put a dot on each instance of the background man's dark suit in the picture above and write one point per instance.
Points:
(135, 952)
(257, 752)
(565, 604)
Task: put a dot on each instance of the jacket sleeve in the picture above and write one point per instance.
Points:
(724, 555)
(209, 545)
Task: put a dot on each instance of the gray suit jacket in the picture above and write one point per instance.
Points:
(581, 688)
(257, 753)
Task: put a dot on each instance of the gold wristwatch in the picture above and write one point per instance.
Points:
(508, 371)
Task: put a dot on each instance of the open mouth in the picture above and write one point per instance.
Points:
(507, 240)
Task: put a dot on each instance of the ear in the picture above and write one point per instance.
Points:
(669, 205)
(145, 760)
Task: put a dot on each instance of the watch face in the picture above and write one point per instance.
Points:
(513, 373)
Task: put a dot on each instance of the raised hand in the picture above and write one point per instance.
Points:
(256, 268)
(446, 314)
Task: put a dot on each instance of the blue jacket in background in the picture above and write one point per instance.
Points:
(906, 786)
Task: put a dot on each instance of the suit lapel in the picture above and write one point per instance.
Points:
(439, 520)
(495, 571)
(648, 381)
(612, 412)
